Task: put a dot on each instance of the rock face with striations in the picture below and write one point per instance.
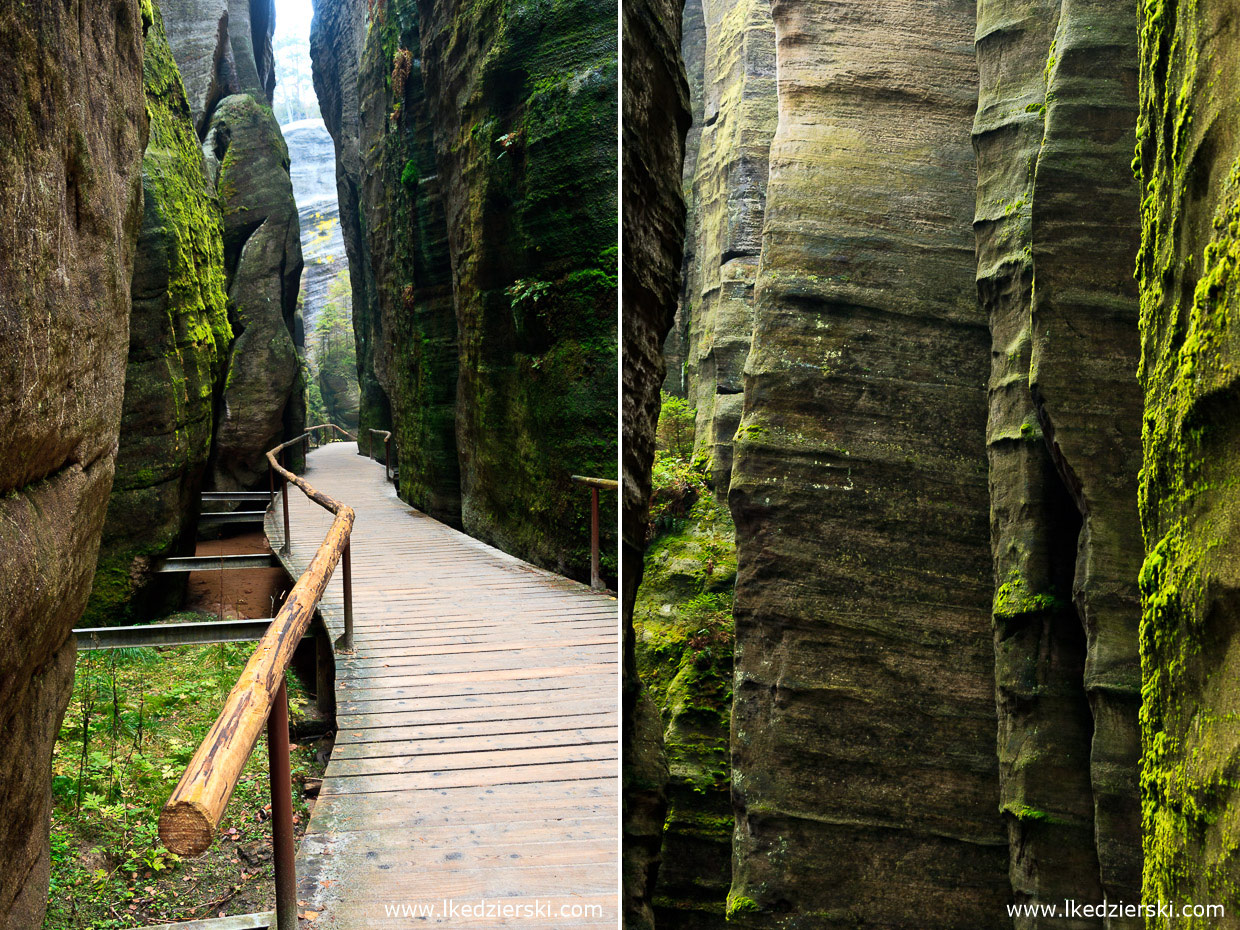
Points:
(222, 47)
(729, 173)
(863, 727)
(656, 118)
(74, 123)
(1055, 123)
(179, 338)
(1189, 165)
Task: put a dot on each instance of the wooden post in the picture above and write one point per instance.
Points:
(282, 811)
(596, 579)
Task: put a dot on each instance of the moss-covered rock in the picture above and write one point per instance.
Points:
(683, 646)
(179, 337)
(1188, 163)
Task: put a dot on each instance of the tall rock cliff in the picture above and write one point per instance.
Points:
(223, 51)
(74, 127)
(1055, 120)
(179, 337)
(863, 725)
(414, 352)
(485, 176)
(656, 118)
(1188, 159)
(729, 174)
(337, 40)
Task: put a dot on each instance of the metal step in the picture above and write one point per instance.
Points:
(236, 516)
(211, 563)
(236, 495)
(171, 634)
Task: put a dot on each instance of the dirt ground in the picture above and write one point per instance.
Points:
(239, 594)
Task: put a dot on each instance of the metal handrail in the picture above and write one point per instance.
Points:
(189, 820)
(595, 485)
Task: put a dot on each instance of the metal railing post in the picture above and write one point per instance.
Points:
(288, 541)
(387, 458)
(596, 580)
(282, 811)
(346, 559)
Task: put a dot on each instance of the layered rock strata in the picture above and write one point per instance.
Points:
(74, 120)
(656, 118)
(863, 726)
(738, 114)
(1188, 160)
(1055, 118)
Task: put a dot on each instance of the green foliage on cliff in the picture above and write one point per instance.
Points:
(684, 641)
(332, 373)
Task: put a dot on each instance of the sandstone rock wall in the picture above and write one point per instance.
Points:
(264, 397)
(486, 150)
(738, 113)
(337, 39)
(1055, 120)
(414, 352)
(74, 121)
(656, 118)
(1188, 160)
(863, 729)
(179, 338)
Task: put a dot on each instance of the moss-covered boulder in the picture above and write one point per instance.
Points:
(74, 127)
(263, 399)
(179, 338)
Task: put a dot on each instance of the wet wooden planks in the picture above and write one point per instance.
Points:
(476, 755)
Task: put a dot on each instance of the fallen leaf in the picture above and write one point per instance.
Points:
(309, 915)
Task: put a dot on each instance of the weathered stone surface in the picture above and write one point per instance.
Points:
(656, 118)
(74, 126)
(1084, 351)
(522, 101)
(337, 39)
(223, 47)
(263, 398)
(1189, 166)
(864, 721)
(1054, 122)
(312, 168)
(729, 199)
(414, 349)
(178, 343)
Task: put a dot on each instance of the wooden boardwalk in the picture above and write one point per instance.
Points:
(476, 754)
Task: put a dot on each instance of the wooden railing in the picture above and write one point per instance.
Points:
(387, 449)
(595, 484)
(191, 817)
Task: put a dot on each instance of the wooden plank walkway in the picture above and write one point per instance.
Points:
(476, 756)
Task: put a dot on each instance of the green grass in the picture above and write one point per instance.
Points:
(134, 721)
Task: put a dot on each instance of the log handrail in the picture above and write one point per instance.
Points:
(189, 820)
